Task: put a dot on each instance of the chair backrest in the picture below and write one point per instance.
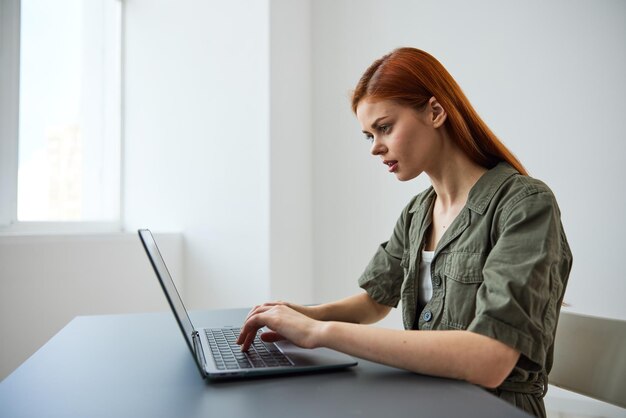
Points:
(590, 357)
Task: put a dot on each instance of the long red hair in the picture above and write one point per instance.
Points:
(411, 77)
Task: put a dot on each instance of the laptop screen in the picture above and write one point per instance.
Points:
(167, 283)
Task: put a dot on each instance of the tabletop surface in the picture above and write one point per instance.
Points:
(139, 365)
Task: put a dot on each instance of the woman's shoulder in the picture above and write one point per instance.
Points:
(522, 190)
(503, 188)
(523, 185)
(504, 180)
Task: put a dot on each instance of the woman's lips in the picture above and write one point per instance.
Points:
(392, 164)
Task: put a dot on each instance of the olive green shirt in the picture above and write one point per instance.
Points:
(499, 270)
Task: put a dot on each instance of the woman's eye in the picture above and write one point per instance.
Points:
(369, 138)
(385, 128)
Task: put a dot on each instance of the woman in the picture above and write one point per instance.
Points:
(479, 260)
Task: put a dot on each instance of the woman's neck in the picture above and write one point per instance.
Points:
(453, 180)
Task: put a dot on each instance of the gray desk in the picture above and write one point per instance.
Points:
(139, 366)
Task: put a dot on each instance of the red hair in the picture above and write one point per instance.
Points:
(410, 77)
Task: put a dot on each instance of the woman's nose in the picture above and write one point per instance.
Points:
(377, 147)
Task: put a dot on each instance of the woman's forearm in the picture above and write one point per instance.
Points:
(358, 309)
(455, 354)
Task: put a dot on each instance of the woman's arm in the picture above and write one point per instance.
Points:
(455, 354)
(358, 309)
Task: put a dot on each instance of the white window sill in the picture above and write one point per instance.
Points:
(60, 228)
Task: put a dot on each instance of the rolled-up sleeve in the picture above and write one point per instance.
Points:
(524, 277)
(382, 278)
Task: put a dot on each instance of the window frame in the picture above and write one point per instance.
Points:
(9, 105)
(10, 24)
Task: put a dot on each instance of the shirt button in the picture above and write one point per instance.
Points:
(427, 315)
(437, 280)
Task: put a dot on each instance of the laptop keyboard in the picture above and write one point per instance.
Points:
(227, 353)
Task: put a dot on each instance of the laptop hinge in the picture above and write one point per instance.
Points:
(197, 345)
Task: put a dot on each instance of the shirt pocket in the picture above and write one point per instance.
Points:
(463, 273)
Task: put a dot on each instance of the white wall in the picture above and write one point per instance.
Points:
(291, 183)
(218, 142)
(196, 117)
(546, 76)
(45, 281)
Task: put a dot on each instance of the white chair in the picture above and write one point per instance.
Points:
(590, 357)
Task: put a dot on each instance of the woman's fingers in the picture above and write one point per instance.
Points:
(283, 322)
(263, 308)
(248, 342)
(246, 338)
(247, 334)
(257, 318)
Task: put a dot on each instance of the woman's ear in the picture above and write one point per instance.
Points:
(438, 113)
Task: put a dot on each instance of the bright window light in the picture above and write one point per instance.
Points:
(69, 111)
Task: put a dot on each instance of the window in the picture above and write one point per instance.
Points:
(60, 107)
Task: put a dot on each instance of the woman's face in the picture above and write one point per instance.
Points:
(407, 141)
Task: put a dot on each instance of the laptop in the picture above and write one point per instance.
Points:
(215, 351)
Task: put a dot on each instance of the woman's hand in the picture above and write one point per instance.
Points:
(284, 322)
(310, 311)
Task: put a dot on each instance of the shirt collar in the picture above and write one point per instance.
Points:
(481, 193)
(487, 185)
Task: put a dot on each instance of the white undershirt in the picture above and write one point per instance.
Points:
(424, 283)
